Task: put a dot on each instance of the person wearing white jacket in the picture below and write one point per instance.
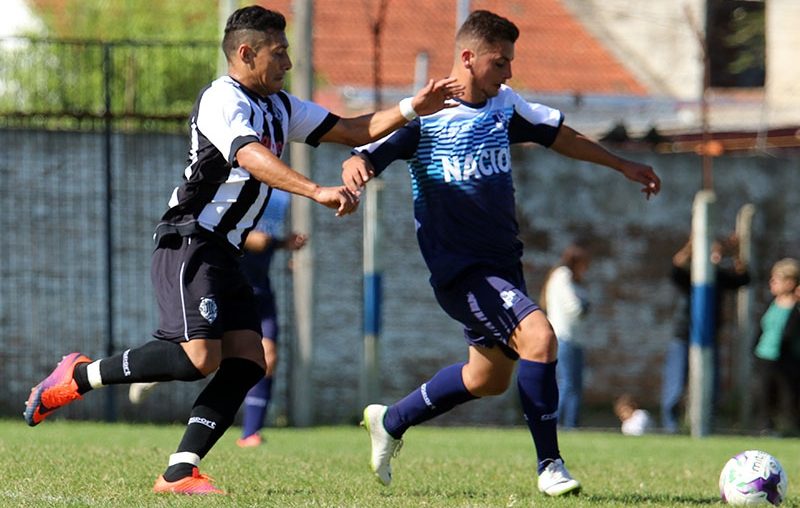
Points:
(564, 299)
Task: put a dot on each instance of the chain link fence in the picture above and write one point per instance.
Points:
(94, 138)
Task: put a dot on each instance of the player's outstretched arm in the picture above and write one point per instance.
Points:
(575, 145)
(266, 167)
(367, 128)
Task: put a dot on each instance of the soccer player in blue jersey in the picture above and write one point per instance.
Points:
(464, 210)
(208, 320)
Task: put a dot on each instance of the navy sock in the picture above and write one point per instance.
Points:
(255, 406)
(157, 360)
(442, 393)
(215, 409)
(538, 392)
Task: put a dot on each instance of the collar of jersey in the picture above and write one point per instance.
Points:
(473, 105)
(246, 90)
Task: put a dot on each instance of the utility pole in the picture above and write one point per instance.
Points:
(703, 274)
(224, 9)
(706, 147)
(369, 382)
(301, 394)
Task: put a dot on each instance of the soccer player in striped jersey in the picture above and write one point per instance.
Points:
(466, 226)
(207, 312)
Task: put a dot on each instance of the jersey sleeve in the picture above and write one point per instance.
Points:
(308, 121)
(401, 144)
(533, 122)
(223, 116)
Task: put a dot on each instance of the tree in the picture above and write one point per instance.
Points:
(152, 58)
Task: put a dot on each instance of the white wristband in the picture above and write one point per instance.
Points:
(407, 110)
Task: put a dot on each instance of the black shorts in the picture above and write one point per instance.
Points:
(200, 290)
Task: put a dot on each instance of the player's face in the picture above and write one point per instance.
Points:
(271, 63)
(492, 67)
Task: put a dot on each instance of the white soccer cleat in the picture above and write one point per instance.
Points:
(384, 446)
(140, 391)
(555, 480)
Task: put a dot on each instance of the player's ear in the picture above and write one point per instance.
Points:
(246, 53)
(467, 57)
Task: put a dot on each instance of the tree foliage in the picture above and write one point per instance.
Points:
(147, 59)
(141, 20)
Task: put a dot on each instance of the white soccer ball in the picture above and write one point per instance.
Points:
(753, 477)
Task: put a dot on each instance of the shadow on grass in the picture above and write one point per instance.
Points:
(645, 499)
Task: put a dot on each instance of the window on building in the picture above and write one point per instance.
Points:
(736, 42)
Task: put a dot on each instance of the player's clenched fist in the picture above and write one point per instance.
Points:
(344, 201)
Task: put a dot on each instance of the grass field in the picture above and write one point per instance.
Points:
(63, 463)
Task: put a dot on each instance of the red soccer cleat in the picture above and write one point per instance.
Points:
(197, 484)
(57, 390)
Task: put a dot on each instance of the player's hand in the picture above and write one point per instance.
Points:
(295, 241)
(433, 97)
(643, 174)
(339, 198)
(356, 172)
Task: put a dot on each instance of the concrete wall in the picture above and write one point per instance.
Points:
(52, 263)
(558, 200)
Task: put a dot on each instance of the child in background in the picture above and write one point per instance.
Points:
(635, 421)
(777, 349)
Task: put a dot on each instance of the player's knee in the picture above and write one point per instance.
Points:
(206, 364)
(205, 355)
(272, 362)
(540, 345)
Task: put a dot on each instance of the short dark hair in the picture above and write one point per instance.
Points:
(488, 27)
(248, 24)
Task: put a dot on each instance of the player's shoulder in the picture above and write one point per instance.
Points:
(508, 94)
(222, 91)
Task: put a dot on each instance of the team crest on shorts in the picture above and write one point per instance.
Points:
(208, 309)
(509, 298)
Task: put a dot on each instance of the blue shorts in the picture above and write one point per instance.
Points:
(267, 313)
(490, 303)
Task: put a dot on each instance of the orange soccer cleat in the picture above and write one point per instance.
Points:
(197, 484)
(57, 390)
(250, 441)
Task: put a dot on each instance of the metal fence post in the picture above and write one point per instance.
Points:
(111, 410)
(701, 364)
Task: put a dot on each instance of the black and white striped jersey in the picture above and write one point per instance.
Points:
(217, 195)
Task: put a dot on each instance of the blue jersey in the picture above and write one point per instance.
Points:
(460, 165)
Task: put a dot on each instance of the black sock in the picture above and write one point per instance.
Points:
(79, 375)
(178, 471)
(157, 360)
(214, 410)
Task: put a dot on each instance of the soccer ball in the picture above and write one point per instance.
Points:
(753, 477)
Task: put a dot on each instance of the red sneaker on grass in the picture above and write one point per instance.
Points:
(57, 390)
(197, 484)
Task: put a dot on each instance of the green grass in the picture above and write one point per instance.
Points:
(62, 463)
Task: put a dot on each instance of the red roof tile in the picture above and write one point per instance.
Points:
(554, 54)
